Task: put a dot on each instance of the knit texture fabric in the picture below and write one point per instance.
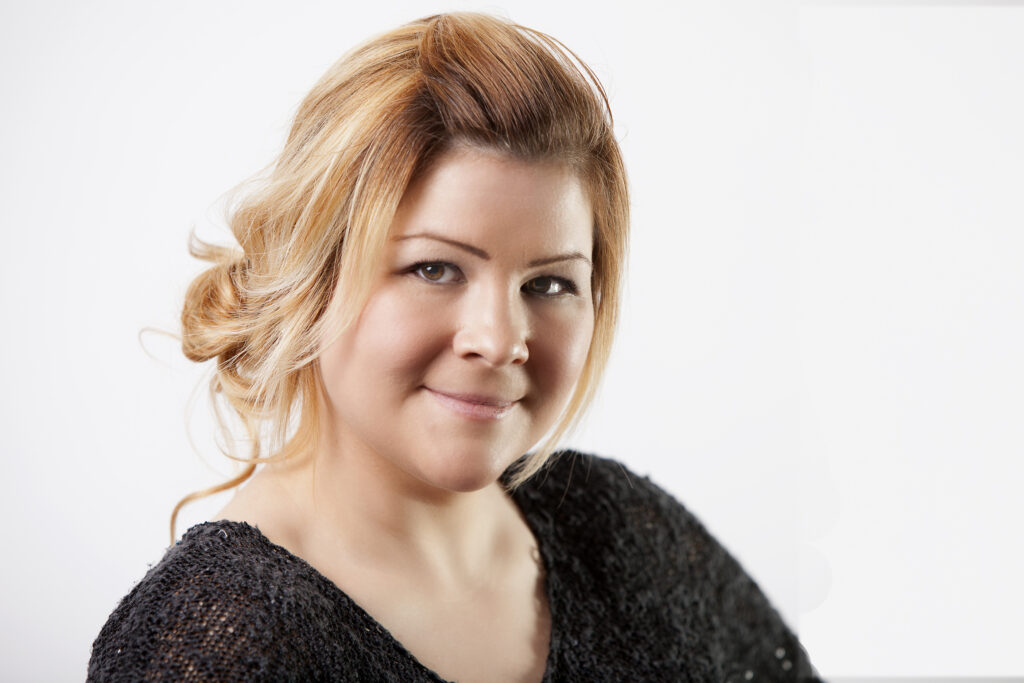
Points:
(637, 589)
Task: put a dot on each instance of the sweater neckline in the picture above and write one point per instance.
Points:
(538, 527)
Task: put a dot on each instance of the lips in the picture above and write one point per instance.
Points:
(474, 406)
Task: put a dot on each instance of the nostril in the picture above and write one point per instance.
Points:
(520, 354)
(486, 344)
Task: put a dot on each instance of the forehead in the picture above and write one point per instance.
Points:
(483, 196)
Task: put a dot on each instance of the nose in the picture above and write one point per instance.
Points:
(494, 328)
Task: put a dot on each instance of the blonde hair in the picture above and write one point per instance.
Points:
(318, 223)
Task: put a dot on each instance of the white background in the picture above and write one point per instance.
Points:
(821, 349)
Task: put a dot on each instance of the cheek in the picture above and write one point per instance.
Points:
(561, 352)
(392, 341)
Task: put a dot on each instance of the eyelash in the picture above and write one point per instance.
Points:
(568, 286)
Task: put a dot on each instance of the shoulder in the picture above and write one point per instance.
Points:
(648, 545)
(580, 473)
(220, 605)
(585, 488)
(602, 507)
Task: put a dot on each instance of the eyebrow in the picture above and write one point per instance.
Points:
(480, 253)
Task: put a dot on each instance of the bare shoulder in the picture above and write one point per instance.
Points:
(267, 502)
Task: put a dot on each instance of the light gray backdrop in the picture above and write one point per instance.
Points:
(820, 354)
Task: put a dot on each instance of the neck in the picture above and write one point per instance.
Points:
(356, 502)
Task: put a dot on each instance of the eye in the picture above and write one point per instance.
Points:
(437, 272)
(550, 286)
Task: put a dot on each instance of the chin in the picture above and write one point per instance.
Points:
(463, 474)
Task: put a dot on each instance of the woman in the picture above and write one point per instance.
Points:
(426, 288)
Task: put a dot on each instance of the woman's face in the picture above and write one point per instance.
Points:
(477, 326)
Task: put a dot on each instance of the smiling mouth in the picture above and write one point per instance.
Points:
(472, 406)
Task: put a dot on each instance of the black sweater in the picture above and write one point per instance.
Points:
(637, 589)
